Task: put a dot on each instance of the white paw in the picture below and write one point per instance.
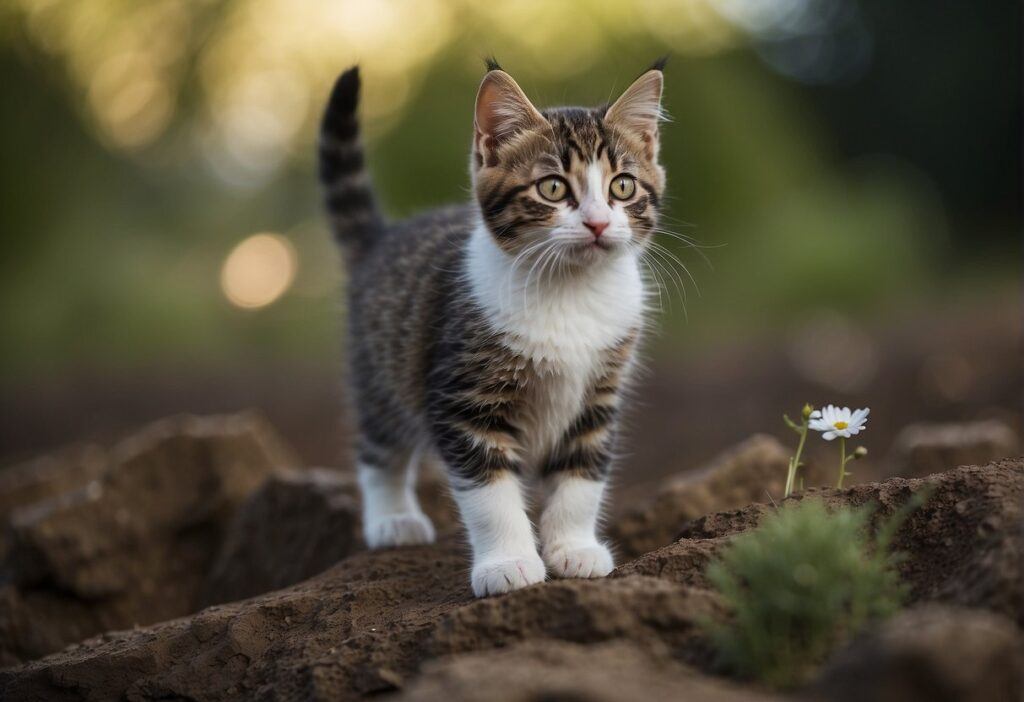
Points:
(579, 560)
(402, 529)
(496, 576)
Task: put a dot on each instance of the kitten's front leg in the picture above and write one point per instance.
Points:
(576, 474)
(481, 448)
(568, 528)
(500, 534)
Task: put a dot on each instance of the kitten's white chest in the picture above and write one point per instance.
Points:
(562, 327)
(554, 402)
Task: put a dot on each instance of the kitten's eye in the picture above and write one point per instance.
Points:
(623, 187)
(553, 188)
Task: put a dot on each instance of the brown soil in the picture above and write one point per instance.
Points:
(930, 653)
(126, 538)
(405, 621)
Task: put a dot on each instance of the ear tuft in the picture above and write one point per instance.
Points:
(638, 110)
(492, 63)
(659, 63)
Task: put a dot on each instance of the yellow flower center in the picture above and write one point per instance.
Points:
(840, 425)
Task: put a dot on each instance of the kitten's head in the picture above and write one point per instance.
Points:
(583, 181)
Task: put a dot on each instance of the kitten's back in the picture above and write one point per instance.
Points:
(399, 290)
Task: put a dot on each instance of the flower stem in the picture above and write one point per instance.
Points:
(794, 462)
(842, 461)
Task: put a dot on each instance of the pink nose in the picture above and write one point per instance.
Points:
(597, 227)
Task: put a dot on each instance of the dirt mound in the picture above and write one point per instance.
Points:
(131, 542)
(965, 546)
(930, 653)
(373, 608)
(753, 471)
(923, 449)
(553, 670)
(299, 524)
(372, 622)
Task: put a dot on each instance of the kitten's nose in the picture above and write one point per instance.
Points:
(596, 226)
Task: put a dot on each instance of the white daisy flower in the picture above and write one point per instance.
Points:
(834, 421)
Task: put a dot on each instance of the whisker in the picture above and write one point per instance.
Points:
(659, 283)
(672, 257)
(668, 274)
(531, 248)
(526, 287)
(668, 261)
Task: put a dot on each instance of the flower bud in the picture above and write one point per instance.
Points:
(860, 452)
(806, 412)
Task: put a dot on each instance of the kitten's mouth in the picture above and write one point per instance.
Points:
(593, 245)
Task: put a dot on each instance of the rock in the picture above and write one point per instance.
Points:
(923, 449)
(132, 546)
(299, 524)
(553, 670)
(295, 526)
(747, 473)
(930, 653)
(49, 476)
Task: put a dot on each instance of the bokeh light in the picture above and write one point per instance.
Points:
(261, 64)
(258, 271)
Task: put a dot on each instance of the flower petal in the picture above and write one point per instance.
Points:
(828, 435)
(859, 417)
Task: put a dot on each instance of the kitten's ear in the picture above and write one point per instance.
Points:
(638, 110)
(502, 110)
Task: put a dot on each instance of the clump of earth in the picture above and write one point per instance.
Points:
(198, 560)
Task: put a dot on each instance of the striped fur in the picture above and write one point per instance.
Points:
(347, 194)
(496, 336)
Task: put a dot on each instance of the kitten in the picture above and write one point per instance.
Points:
(498, 335)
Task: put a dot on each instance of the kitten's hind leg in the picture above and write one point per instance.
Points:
(391, 512)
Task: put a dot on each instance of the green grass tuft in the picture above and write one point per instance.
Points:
(797, 586)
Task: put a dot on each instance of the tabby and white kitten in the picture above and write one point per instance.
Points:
(497, 335)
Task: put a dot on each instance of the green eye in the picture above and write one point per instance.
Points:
(623, 186)
(553, 188)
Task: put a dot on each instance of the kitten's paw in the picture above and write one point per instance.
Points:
(402, 529)
(579, 560)
(500, 575)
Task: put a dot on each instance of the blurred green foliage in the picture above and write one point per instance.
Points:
(114, 240)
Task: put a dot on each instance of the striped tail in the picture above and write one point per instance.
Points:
(347, 192)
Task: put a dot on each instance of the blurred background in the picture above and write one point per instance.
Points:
(850, 171)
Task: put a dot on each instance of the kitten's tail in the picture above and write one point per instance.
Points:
(348, 195)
